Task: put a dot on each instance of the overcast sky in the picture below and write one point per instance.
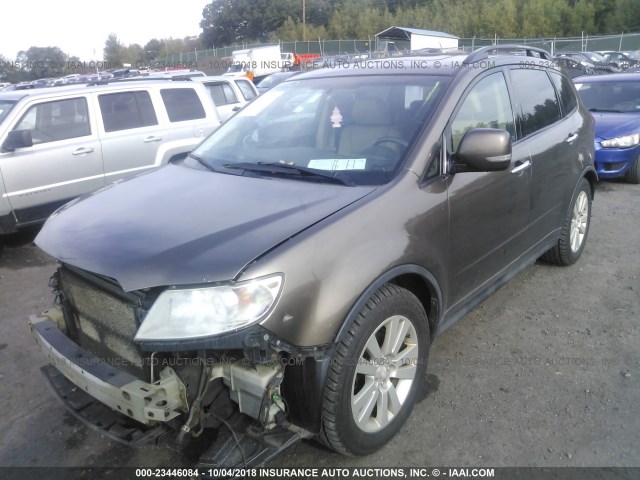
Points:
(80, 27)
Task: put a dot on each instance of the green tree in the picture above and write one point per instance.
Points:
(227, 22)
(152, 50)
(44, 62)
(114, 51)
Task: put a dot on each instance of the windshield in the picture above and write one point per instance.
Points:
(272, 80)
(354, 129)
(634, 55)
(5, 108)
(623, 97)
(595, 57)
(237, 67)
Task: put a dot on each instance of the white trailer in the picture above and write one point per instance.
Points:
(256, 62)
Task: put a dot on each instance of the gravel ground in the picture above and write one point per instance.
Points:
(546, 372)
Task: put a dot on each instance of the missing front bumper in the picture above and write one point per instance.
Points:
(147, 403)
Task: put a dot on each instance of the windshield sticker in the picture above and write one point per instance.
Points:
(336, 117)
(338, 164)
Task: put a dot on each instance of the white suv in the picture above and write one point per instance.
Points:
(59, 143)
(229, 94)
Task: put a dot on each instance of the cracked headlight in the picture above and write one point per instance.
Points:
(622, 142)
(180, 314)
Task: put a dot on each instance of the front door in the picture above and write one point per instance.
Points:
(489, 211)
(64, 162)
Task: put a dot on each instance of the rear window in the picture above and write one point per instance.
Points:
(182, 104)
(126, 110)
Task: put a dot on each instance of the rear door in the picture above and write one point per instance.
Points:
(224, 97)
(130, 132)
(64, 162)
(489, 211)
(190, 115)
(550, 140)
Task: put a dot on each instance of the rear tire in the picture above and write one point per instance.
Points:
(575, 229)
(633, 174)
(376, 372)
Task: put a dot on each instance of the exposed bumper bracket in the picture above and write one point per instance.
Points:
(97, 415)
(148, 403)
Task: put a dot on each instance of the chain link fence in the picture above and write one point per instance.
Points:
(622, 42)
(372, 46)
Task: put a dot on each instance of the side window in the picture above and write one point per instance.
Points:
(125, 110)
(229, 94)
(59, 120)
(538, 99)
(222, 94)
(182, 104)
(487, 105)
(567, 97)
(245, 88)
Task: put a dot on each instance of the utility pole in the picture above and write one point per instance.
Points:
(304, 21)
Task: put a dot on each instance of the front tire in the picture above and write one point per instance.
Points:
(633, 174)
(575, 229)
(376, 372)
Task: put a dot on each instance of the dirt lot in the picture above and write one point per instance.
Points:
(544, 373)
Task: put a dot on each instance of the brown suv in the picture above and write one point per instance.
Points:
(287, 279)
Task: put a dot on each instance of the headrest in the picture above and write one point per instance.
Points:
(371, 111)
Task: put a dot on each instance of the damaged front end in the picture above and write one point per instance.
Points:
(139, 391)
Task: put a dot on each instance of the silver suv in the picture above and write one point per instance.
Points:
(229, 94)
(57, 144)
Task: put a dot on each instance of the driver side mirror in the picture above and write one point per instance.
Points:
(483, 150)
(17, 139)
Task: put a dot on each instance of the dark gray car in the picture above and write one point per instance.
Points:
(287, 279)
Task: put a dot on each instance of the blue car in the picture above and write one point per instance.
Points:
(614, 102)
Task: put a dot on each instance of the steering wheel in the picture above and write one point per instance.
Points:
(249, 142)
(399, 141)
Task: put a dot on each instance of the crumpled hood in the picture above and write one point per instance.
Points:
(179, 225)
(612, 125)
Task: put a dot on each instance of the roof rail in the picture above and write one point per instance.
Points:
(483, 52)
(115, 81)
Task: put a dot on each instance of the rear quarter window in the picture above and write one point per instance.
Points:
(567, 96)
(247, 91)
(222, 94)
(182, 104)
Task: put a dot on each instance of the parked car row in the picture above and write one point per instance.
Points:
(623, 60)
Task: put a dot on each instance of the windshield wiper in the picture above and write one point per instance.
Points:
(276, 168)
(605, 110)
(201, 161)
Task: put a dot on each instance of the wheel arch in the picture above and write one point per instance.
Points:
(305, 384)
(418, 280)
(592, 177)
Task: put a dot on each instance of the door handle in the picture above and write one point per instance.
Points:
(82, 151)
(152, 139)
(571, 137)
(521, 166)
